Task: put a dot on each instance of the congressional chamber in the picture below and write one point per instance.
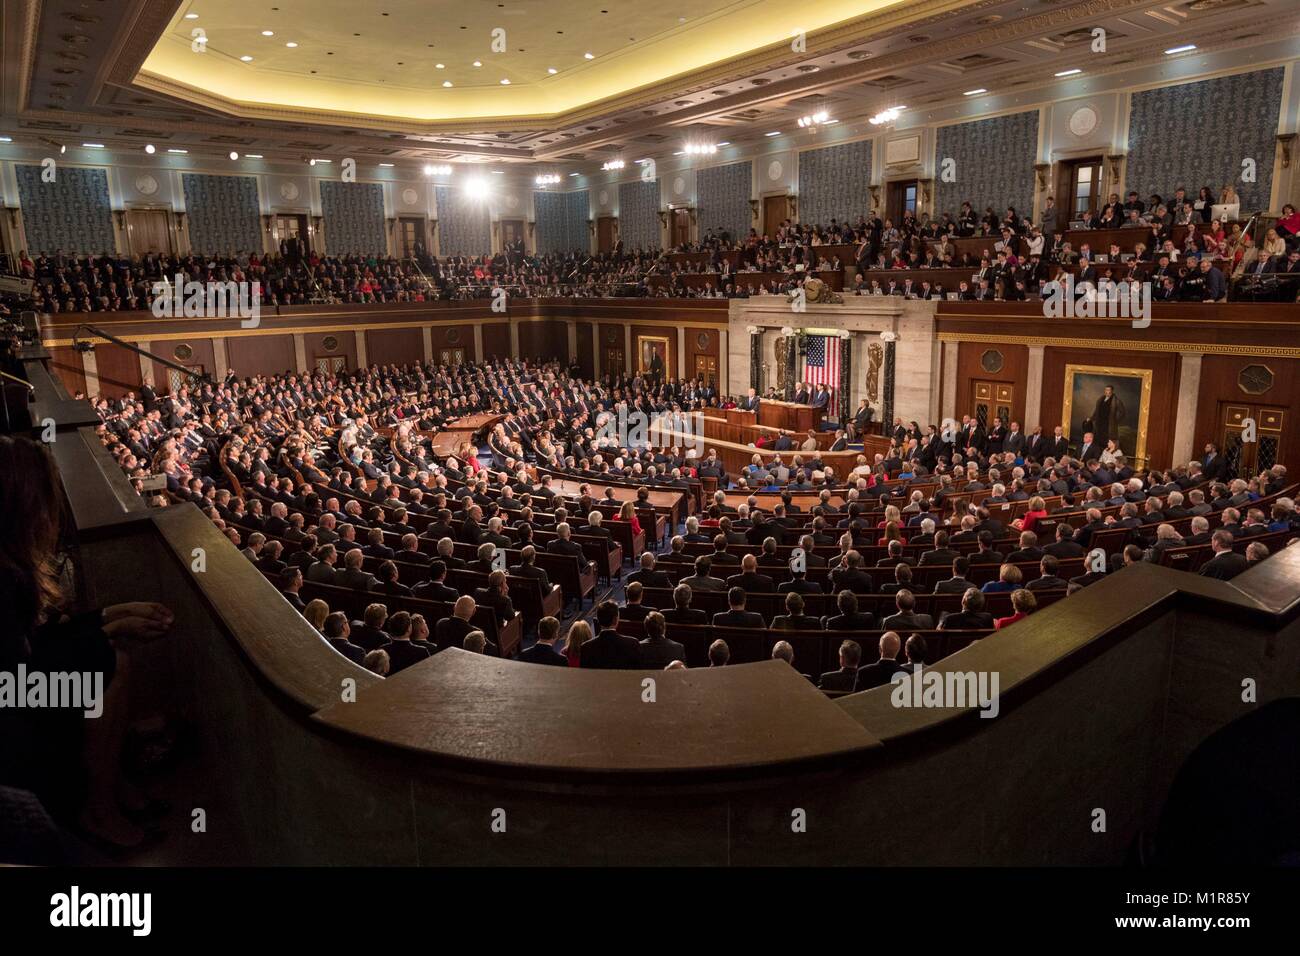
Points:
(604, 449)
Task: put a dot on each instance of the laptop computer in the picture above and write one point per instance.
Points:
(1225, 212)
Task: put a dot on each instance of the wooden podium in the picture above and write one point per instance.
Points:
(787, 415)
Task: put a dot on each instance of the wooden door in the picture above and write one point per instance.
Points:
(605, 234)
(294, 226)
(410, 230)
(776, 209)
(614, 361)
(148, 230)
(1248, 454)
(681, 227)
(901, 198)
(1078, 188)
(512, 230)
(706, 369)
(992, 400)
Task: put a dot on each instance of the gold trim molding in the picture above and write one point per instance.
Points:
(1120, 345)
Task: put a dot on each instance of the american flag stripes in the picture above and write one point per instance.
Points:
(822, 363)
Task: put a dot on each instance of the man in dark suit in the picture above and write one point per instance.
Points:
(497, 596)
(846, 678)
(1226, 563)
(1214, 467)
(527, 568)
(1028, 550)
(352, 576)
(940, 553)
(907, 619)
(435, 588)
(336, 631)
(798, 583)
(849, 618)
(882, 671)
(1047, 579)
(794, 618)
(736, 615)
(681, 611)
(657, 651)
(703, 579)
(1089, 450)
(957, 584)
(544, 652)
(971, 616)
(648, 576)
(849, 576)
(1064, 546)
(375, 547)
(368, 633)
(565, 544)
(451, 631)
(749, 579)
(402, 653)
(610, 650)
(633, 609)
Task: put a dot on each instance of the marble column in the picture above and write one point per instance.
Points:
(91, 368)
(220, 359)
(1034, 392)
(629, 366)
(300, 351)
(887, 387)
(478, 342)
(426, 335)
(514, 337)
(680, 370)
(791, 365)
(724, 361)
(843, 395)
(756, 360)
(362, 359)
(146, 365)
(1189, 390)
(595, 351)
(571, 336)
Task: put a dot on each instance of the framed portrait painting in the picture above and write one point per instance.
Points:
(1112, 403)
(653, 355)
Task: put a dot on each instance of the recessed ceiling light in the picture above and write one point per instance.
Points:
(775, 132)
(1069, 72)
(497, 172)
(291, 44)
(252, 156)
(440, 66)
(575, 174)
(181, 152)
(552, 70)
(975, 92)
(478, 62)
(8, 139)
(191, 16)
(588, 56)
(268, 33)
(725, 142)
(446, 82)
(149, 148)
(680, 152)
(93, 145)
(234, 155)
(246, 58)
(505, 82)
(1180, 49)
(386, 164)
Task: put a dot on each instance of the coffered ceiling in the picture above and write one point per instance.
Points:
(363, 79)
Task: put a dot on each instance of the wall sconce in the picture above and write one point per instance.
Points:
(1113, 164)
(753, 209)
(1286, 141)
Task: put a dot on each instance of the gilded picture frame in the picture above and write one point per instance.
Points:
(1085, 384)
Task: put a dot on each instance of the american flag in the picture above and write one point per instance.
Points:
(822, 363)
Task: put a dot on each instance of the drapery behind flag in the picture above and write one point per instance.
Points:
(821, 364)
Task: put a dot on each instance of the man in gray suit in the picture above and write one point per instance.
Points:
(352, 576)
(656, 650)
(702, 580)
(907, 619)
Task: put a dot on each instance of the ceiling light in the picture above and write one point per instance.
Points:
(9, 139)
(149, 148)
(191, 16)
(575, 174)
(505, 82)
(440, 66)
(497, 172)
(700, 149)
(477, 187)
(180, 152)
(252, 156)
(680, 153)
(552, 70)
(886, 116)
(547, 179)
(1180, 49)
(446, 83)
(291, 44)
(246, 59)
(975, 92)
(816, 119)
(385, 164)
(93, 145)
(315, 161)
(437, 170)
(1070, 72)
(588, 56)
(233, 155)
(478, 62)
(725, 142)
(612, 165)
(775, 132)
(268, 33)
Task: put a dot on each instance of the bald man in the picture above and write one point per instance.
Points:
(451, 631)
(883, 670)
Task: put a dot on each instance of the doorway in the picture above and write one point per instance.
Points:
(1078, 186)
(605, 228)
(1249, 458)
(776, 210)
(706, 369)
(512, 233)
(680, 230)
(901, 199)
(148, 230)
(291, 228)
(991, 400)
(411, 240)
(613, 363)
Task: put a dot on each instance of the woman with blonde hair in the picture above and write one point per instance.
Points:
(315, 613)
(579, 634)
(892, 515)
(1023, 603)
(1037, 510)
(1009, 579)
(628, 513)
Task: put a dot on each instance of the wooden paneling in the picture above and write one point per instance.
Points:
(265, 354)
(710, 350)
(119, 370)
(1164, 392)
(346, 345)
(394, 346)
(970, 369)
(66, 363)
(453, 336)
(496, 340)
(201, 354)
(545, 340)
(1219, 384)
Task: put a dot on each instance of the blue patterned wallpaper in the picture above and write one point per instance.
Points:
(834, 183)
(463, 227)
(995, 164)
(354, 217)
(638, 215)
(723, 195)
(223, 213)
(73, 213)
(562, 221)
(1171, 145)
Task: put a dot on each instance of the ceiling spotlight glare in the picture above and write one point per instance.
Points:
(437, 170)
(311, 162)
(612, 165)
(477, 188)
(700, 149)
(547, 179)
(234, 155)
(816, 119)
(886, 116)
(149, 148)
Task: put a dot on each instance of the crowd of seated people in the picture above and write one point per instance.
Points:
(1020, 258)
(330, 485)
